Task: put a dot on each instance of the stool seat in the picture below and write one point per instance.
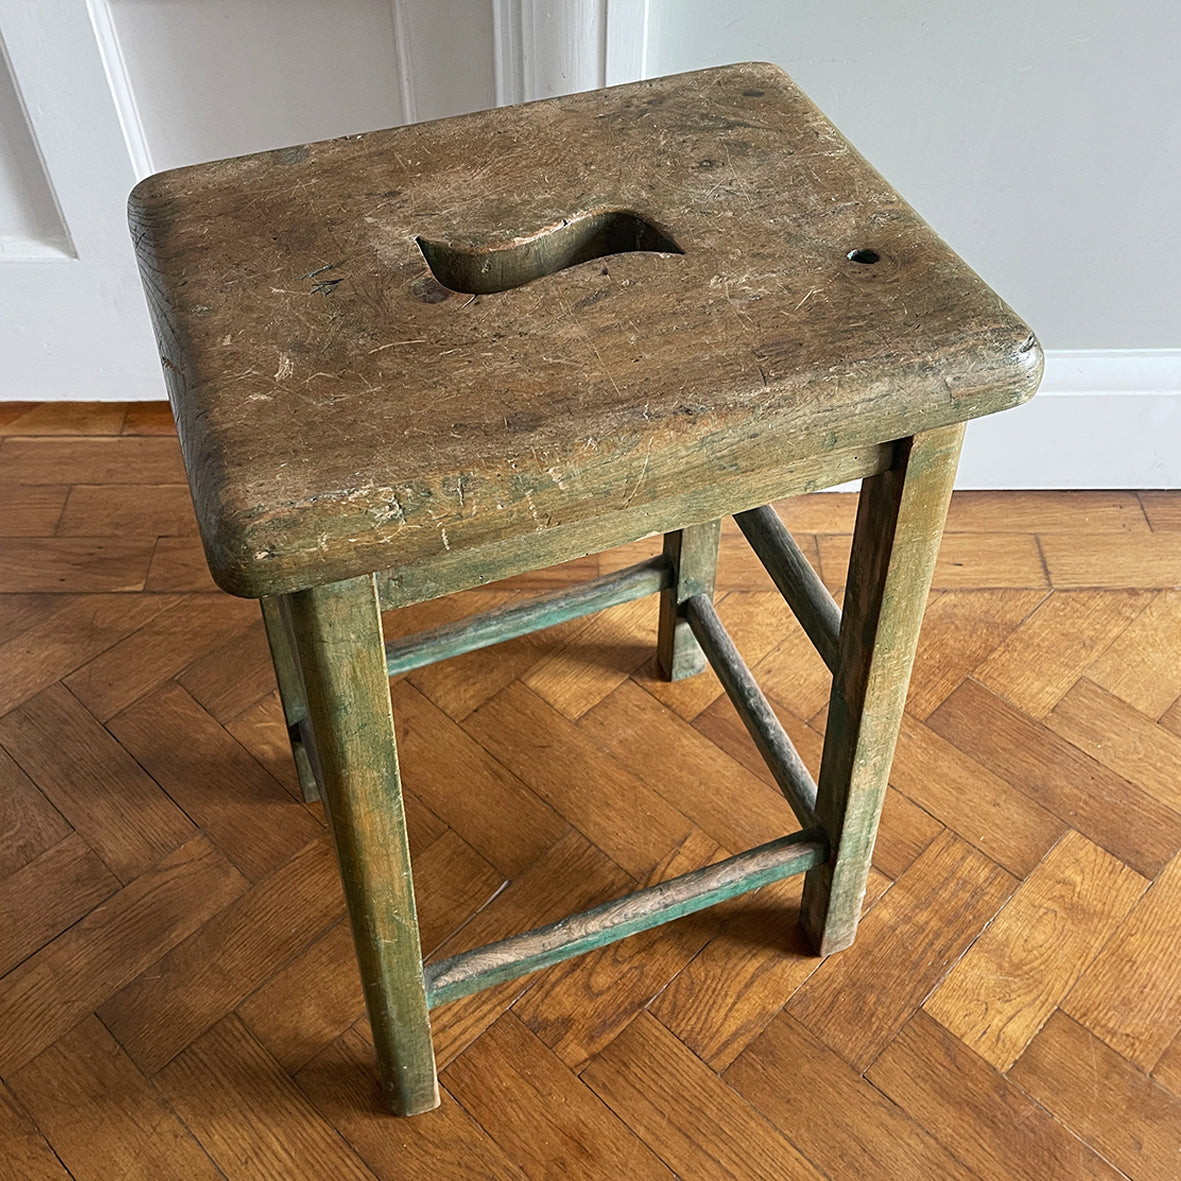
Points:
(408, 348)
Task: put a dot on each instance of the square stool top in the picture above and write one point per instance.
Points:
(387, 347)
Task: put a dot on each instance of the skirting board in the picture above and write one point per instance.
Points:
(1102, 419)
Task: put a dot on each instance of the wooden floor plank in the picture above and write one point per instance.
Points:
(125, 509)
(156, 1015)
(1002, 822)
(143, 914)
(548, 1122)
(27, 1153)
(29, 823)
(160, 649)
(1145, 669)
(573, 876)
(712, 1134)
(631, 823)
(1048, 652)
(579, 673)
(81, 629)
(1129, 997)
(102, 1116)
(247, 813)
(48, 895)
(960, 629)
(1112, 560)
(51, 991)
(31, 510)
(579, 1007)
(65, 418)
(857, 1001)
(508, 823)
(444, 1143)
(1101, 1097)
(1105, 807)
(1121, 738)
(1000, 994)
(725, 997)
(124, 815)
(246, 1111)
(100, 460)
(72, 565)
(990, 1124)
(737, 808)
(148, 418)
(843, 1125)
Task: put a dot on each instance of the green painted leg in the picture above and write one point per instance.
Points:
(693, 553)
(337, 633)
(899, 526)
(295, 710)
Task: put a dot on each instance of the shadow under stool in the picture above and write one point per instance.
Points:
(411, 362)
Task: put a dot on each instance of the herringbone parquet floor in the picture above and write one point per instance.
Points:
(178, 996)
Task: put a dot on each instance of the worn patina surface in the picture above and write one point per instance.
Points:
(342, 411)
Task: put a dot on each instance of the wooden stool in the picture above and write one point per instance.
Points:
(407, 363)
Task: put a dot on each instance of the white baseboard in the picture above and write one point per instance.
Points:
(1102, 419)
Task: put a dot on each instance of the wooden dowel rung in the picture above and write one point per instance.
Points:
(798, 583)
(471, 971)
(792, 776)
(518, 619)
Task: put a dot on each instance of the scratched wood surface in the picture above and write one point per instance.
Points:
(403, 348)
(178, 995)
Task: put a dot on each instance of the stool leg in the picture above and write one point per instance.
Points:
(899, 526)
(338, 641)
(295, 710)
(693, 553)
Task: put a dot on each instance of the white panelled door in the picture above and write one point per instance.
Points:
(95, 94)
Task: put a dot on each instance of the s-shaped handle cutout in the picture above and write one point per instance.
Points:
(592, 235)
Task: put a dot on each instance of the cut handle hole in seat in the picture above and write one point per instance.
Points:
(483, 271)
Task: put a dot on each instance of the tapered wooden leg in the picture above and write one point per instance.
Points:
(899, 525)
(295, 710)
(693, 553)
(339, 646)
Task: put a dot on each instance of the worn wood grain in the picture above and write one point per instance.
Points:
(553, 1125)
(51, 991)
(1134, 1123)
(1048, 652)
(123, 814)
(28, 1154)
(856, 1002)
(1000, 994)
(1128, 996)
(1110, 810)
(49, 894)
(693, 556)
(842, 1124)
(628, 435)
(723, 1138)
(104, 1118)
(246, 1112)
(988, 1122)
